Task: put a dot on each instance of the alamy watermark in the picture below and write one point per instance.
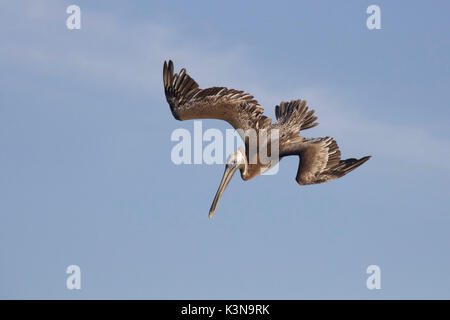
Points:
(73, 281)
(263, 146)
(373, 22)
(374, 280)
(74, 20)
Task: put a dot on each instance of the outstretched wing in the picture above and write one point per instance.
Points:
(292, 117)
(320, 159)
(188, 101)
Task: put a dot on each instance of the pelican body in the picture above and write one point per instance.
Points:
(320, 158)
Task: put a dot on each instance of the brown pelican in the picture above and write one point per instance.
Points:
(320, 158)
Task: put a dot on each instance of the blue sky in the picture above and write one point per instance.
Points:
(86, 176)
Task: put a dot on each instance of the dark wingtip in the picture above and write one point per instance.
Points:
(168, 65)
(165, 74)
(362, 160)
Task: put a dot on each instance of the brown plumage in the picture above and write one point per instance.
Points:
(320, 158)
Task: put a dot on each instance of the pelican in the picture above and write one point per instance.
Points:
(319, 158)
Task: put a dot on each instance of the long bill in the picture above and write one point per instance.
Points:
(227, 175)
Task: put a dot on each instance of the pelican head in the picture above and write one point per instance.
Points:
(235, 161)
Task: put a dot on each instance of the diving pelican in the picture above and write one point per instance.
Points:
(320, 158)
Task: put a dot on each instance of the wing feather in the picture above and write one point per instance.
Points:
(188, 101)
(292, 117)
(320, 159)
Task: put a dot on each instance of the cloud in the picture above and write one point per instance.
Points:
(107, 51)
(115, 52)
(401, 144)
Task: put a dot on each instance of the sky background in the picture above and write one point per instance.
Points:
(86, 176)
